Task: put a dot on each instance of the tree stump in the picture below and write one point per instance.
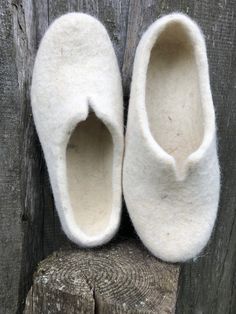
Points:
(119, 278)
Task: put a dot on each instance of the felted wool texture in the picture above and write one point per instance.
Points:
(171, 177)
(77, 104)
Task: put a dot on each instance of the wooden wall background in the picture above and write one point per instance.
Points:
(29, 227)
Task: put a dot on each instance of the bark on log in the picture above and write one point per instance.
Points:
(119, 278)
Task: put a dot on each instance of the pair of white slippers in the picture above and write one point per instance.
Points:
(170, 172)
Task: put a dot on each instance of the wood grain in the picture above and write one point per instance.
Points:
(120, 278)
(29, 226)
(10, 198)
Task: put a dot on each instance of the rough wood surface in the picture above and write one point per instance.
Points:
(29, 226)
(10, 202)
(119, 278)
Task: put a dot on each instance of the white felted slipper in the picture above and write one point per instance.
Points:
(171, 172)
(77, 106)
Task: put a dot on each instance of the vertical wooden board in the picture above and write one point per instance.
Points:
(10, 209)
(10, 134)
(22, 201)
(141, 15)
(29, 155)
(208, 284)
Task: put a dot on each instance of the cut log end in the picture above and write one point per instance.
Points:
(119, 278)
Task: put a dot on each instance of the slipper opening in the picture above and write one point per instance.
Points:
(89, 175)
(173, 99)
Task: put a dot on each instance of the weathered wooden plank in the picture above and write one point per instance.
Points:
(29, 153)
(120, 278)
(208, 284)
(10, 200)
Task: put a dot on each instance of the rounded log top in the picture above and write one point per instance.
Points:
(119, 278)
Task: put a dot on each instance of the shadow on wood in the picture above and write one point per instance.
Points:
(119, 278)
